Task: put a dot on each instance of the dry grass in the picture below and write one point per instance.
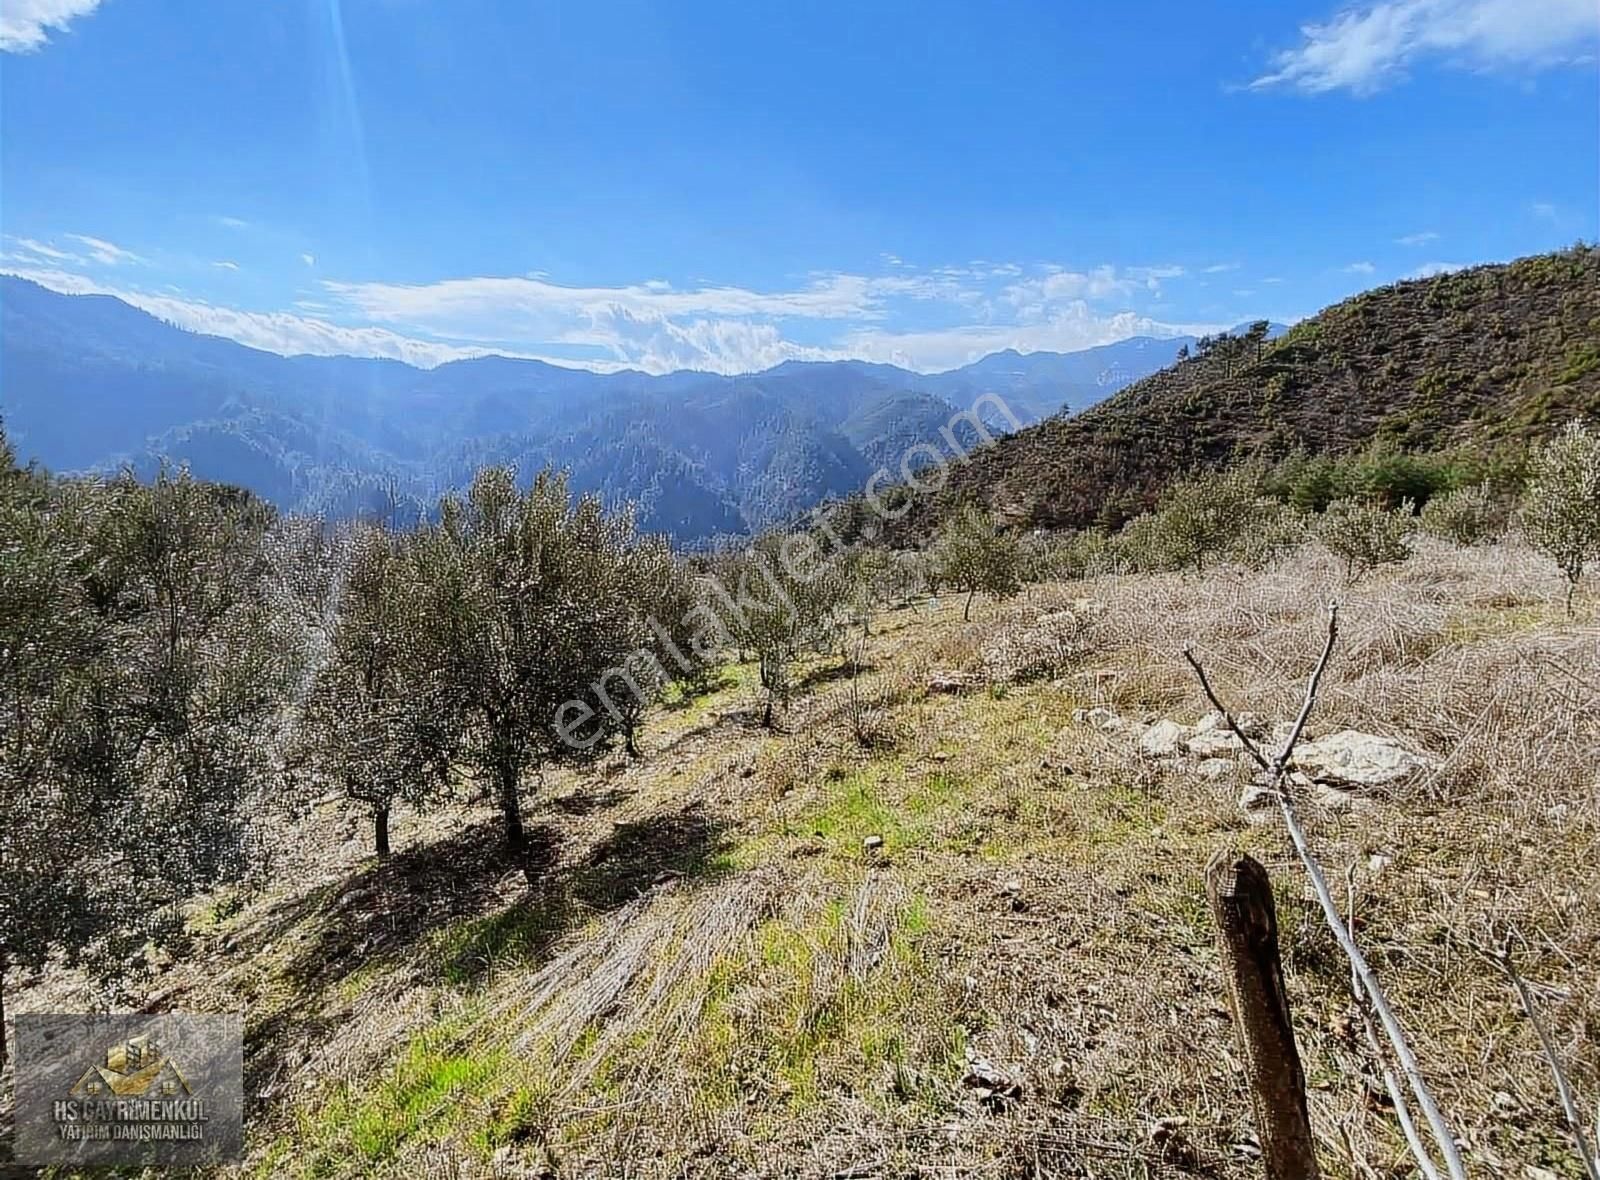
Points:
(783, 1000)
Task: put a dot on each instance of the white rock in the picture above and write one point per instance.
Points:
(1258, 803)
(1162, 740)
(1352, 759)
(1211, 743)
(1215, 768)
(1248, 722)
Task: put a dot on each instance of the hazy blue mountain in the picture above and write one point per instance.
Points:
(89, 382)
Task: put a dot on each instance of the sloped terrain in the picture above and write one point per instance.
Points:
(1492, 353)
(924, 933)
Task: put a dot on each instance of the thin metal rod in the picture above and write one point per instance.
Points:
(1362, 973)
(1569, 1106)
(1397, 1096)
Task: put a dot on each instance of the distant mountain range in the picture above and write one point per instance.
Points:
(89, 382)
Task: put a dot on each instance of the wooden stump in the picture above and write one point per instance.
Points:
(1247, 945)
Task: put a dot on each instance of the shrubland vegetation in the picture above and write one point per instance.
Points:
(1477, 363)
(176, 649)
(189, 677)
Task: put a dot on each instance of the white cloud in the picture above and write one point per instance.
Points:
(1429, 269)
(1069, 327)
(1220, 267)
(1033, 297)
(25, 25)
(231, 222)
(43, 250)
(278, 332)
(1360, 268)
(1153, 276)
(1420, 239)
(658, 345)
(309, 259)
(655, 326)
(224, 264)
(528, 307)
(1366, 48)
(1544, 211)
(106, 252)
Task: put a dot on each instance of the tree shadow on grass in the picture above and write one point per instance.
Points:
(586, 801)
(438, 911)
(635, 857)
(832, 673)
(685, 700)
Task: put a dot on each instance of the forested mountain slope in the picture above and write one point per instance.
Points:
(1474, 357)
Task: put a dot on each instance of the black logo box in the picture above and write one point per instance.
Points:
(69, 1112)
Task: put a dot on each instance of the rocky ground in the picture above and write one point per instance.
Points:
(950, 919)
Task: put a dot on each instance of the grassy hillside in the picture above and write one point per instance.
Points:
(1474, 357)
(704, 970)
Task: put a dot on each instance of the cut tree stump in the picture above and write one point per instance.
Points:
(1247, 944)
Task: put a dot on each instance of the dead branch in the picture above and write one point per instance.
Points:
(1569, 1106)
(1360, 971)
(1397, 1095)
(1227, 715)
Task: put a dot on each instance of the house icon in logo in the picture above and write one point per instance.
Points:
(134, 1068)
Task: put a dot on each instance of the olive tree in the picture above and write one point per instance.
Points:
(52, 824)
(1365, 535)
(140, 684)
(377, 719)
(1561, 504)
(1210, 516)
(525, 598)
(972, 555)
(1465, 516)
(1202, 516)
(870, 583)
(785, 597)
(196, 690)
(664, 643)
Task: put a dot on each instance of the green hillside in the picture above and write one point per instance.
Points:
(1475, 357)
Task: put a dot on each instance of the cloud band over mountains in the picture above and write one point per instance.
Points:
(973, 310)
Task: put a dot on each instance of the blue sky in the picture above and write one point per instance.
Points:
(727, 185)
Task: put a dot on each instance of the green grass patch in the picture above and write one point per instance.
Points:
(881, 800)
(467, 950)
(1489, 622)
(434, 1091)
(884, 1034)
